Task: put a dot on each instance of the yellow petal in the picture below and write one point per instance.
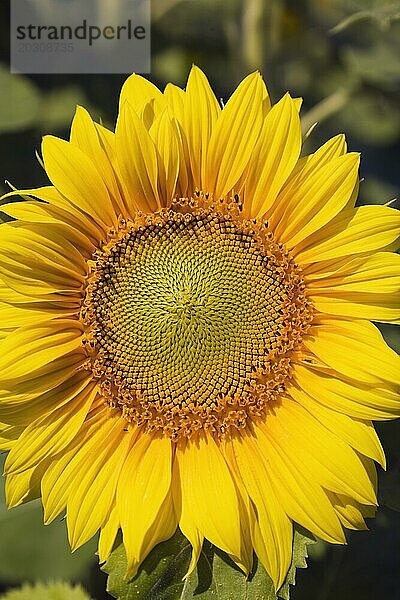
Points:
(248, 519)
(85, 135)
(24, 408)
(55, 207)
(75, 176)
(51, 245)
(359, 434)
(38, 212)
(334, 340)
(305, 166)
(186, 524)
(348, 511)
(144, 483)
(139, 92)
(175, 98)
(200, 115)
(54, 489)
(9, 434)
(336, 146)
(184, 187)
(37, 263)
(298, 103)
(353, 231)
(359, 401)
(67, 468)
(9, 296)
(336, 466)
(51, 433)
(162, 528)
(23, 487)
(318, 198)
(165, 135)
(28, 349)
(32, 385)
(209, 498)
(25, 313)
(275, 156)
(108, 142)
(234, 136)
(56, 286)
(92, 490)
(138, 161)
(366, 288)
(275, 526)
(107, 138)
(379, 273)
(307, 503)
(383, 308)
(108, 533)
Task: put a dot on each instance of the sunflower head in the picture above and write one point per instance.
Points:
(187, 314)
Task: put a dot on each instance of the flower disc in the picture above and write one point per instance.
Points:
(184, 315)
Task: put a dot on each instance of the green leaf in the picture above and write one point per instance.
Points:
(160, 575)
(378, 64)
(51, 591)
(19, 102)
(24, 106)
(301, 540)
(217, 577)
(378, 121)
(383, 13)
(161, 571)
(58, 107)
(30, 550)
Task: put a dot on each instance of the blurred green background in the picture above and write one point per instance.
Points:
(343, 58)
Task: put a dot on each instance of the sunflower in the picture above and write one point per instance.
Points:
(186, 329)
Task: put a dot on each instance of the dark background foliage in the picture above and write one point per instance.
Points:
(343, 58)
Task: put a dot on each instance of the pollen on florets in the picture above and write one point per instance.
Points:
(191, 316)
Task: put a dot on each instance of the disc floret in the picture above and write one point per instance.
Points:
(191, 316)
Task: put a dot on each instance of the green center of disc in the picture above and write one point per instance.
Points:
(186, 310)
